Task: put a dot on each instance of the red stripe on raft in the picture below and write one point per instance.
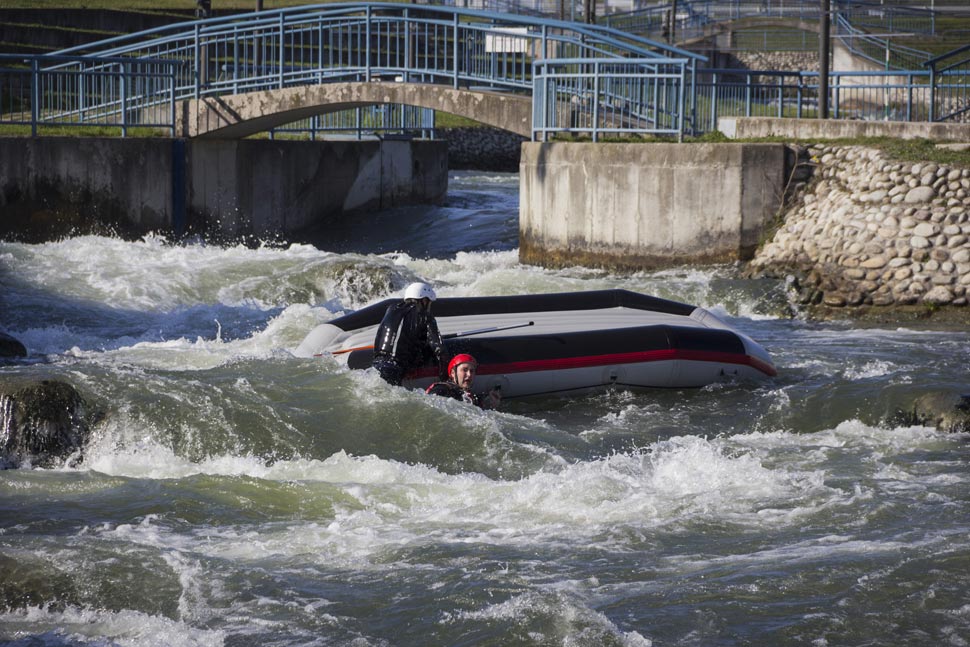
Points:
(588, 361)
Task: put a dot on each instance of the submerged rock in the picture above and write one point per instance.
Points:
(32, 582)
(43, 423)
(947, 411)
(10, 347)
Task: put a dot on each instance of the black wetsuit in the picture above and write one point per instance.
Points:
(451, 390)
(407, 338)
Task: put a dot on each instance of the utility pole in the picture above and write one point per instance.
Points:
(824, 44)
(673, 22)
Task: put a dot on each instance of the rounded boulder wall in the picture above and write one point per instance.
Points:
(873, 237)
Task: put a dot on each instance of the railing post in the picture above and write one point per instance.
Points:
(909, 97)
(836, 94)
(367, 45)
(713, 125)
(538, 104)
(680, 101)
(781, 95)
(747, 95)
(34, 97)
(932, 115)
(596, 100)
(198, 63)
(693, 91)
(407, 47)
(124, 68)
(174, 112)
(454, 51)
(282, 49)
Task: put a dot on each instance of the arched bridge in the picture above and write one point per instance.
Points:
(240, 115)
(241, 74)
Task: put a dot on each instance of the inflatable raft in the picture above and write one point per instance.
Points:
(565, 343)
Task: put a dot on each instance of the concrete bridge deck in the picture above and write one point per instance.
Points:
(241, 115)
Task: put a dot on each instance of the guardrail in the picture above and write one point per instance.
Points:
(462, 48)
(854, 21)
(873, 96)
(87, 91)
(950, 84)
(879, 49)
(601, 97)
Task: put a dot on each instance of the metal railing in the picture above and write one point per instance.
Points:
(384, 120)
(462, 48)
(87, 91)
(871, 96)
(878, 49)
(603, 97)
(950, 85)
(854, 22)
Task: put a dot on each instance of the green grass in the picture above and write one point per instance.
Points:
(81, 131)
(154, 6)
(448, 120)
(903, 150)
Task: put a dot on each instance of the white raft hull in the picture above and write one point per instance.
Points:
(577, 342)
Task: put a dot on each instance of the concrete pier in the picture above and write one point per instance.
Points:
(632, 206)
(56, 186)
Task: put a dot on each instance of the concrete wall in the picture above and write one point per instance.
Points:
(754, 127)
(646, 205)
(52, 187)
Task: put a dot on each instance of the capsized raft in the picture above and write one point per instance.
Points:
(577, 341)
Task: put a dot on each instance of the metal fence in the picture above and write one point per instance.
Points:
(349, 42)
(879, 49)
(385, 120)
(866, 28)
(870, 96)
(950, 85)
(87, 91)
(600, 98)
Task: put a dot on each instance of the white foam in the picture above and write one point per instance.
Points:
(99, 627)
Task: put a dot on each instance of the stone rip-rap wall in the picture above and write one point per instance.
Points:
(869, 230)
(482, 148)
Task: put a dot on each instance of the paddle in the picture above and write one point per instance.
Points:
(451, 335)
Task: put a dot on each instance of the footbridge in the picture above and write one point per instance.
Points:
(234, 76)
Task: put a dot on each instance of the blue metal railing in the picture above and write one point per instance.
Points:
(364, 42)
(871, 96)
(950, 84)
(583, 78)
(854, 22)
(881, 50)
(88, 91)
(603, 97)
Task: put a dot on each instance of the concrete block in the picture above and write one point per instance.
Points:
(646, 205)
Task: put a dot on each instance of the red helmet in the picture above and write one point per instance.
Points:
(461, 358)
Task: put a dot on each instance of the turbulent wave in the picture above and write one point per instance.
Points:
(234, 494)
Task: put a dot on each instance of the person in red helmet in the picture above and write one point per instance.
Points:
(461, 374)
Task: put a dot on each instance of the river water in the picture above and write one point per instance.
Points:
(236, 495)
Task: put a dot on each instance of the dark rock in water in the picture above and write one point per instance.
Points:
(42, 423)
(31, 582)
(10, 347)
(946, 411)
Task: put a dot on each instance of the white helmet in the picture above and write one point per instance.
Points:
(419, 291)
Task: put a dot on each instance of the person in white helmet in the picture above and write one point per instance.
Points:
(408, 335)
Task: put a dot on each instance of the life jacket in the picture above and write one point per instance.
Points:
(408, 335)
(452, 390)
